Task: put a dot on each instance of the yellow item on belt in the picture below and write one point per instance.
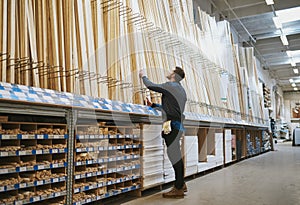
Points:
(167, 127)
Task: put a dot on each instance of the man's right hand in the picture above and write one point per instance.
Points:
(142, 73)
(148, 102)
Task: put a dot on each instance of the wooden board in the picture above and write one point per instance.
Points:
(54, 46)
(3, 47)
(61, 45)
(32, 43)
(68, 39)
(11, 40)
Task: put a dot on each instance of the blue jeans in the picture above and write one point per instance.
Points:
(174, 153)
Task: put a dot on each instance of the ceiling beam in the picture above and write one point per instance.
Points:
(251, 7)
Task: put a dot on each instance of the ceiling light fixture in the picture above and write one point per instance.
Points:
(289, 15)
(295, 88)
(296, 71)
(277, 22)
(291, 80)
(289, 53)
(294, 85)
(269, 2)
(284, 40)
(293, 62)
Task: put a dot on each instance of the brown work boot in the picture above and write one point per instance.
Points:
(174, 193)
(184, 187)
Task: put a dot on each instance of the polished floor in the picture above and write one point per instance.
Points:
(269, 179)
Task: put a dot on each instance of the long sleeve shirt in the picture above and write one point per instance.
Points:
(173, 99)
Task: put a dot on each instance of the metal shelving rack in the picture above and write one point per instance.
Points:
(73, 108)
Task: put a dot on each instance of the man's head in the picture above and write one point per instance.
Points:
(176, 75)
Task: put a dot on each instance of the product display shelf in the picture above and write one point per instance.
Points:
(266, 145)
(106, 162)
(152, 156)
(33, 162)
(228, 141)
(190, 151)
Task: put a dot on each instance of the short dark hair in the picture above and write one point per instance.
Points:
(179, 73)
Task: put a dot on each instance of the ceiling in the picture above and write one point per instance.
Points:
(253, 21)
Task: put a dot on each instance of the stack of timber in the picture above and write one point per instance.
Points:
(97, 47)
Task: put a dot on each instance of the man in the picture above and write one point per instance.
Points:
(173, 104)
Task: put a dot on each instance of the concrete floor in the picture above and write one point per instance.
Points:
(269, 179)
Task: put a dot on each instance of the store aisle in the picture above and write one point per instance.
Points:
(269, 179)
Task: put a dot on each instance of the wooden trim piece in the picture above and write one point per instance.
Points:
(11, 40)
(32, 43)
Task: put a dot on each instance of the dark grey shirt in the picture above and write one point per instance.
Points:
(173, 99)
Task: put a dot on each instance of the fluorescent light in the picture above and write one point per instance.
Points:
(295, 53)
(293, 63)
(277, 22)
(294, 85)
(284, 40)
(296, 71)
(291, 80)
(289, 15)
(269, 2)
(295, 88)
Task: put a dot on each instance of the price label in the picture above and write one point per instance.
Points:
(7, 137)
(55, 180)
(62, 179)
(25, 137)
(22, 153)
(10, 187)
(2, 188)
(89, 175)
(92, 136)
(57, 194)
(37, 198)
(54, 151)
(39, 151)
(79, 163)
(46, 151)
(41, 167)
(55, 165)
(23, 185)
(4, 154)
(82, 175)
(19, 202)
(40, 136)
(39, 183)
(76, 190)
(78, 150)
(3, 171)
(89, 200)
(77, 176)
(48, 181)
